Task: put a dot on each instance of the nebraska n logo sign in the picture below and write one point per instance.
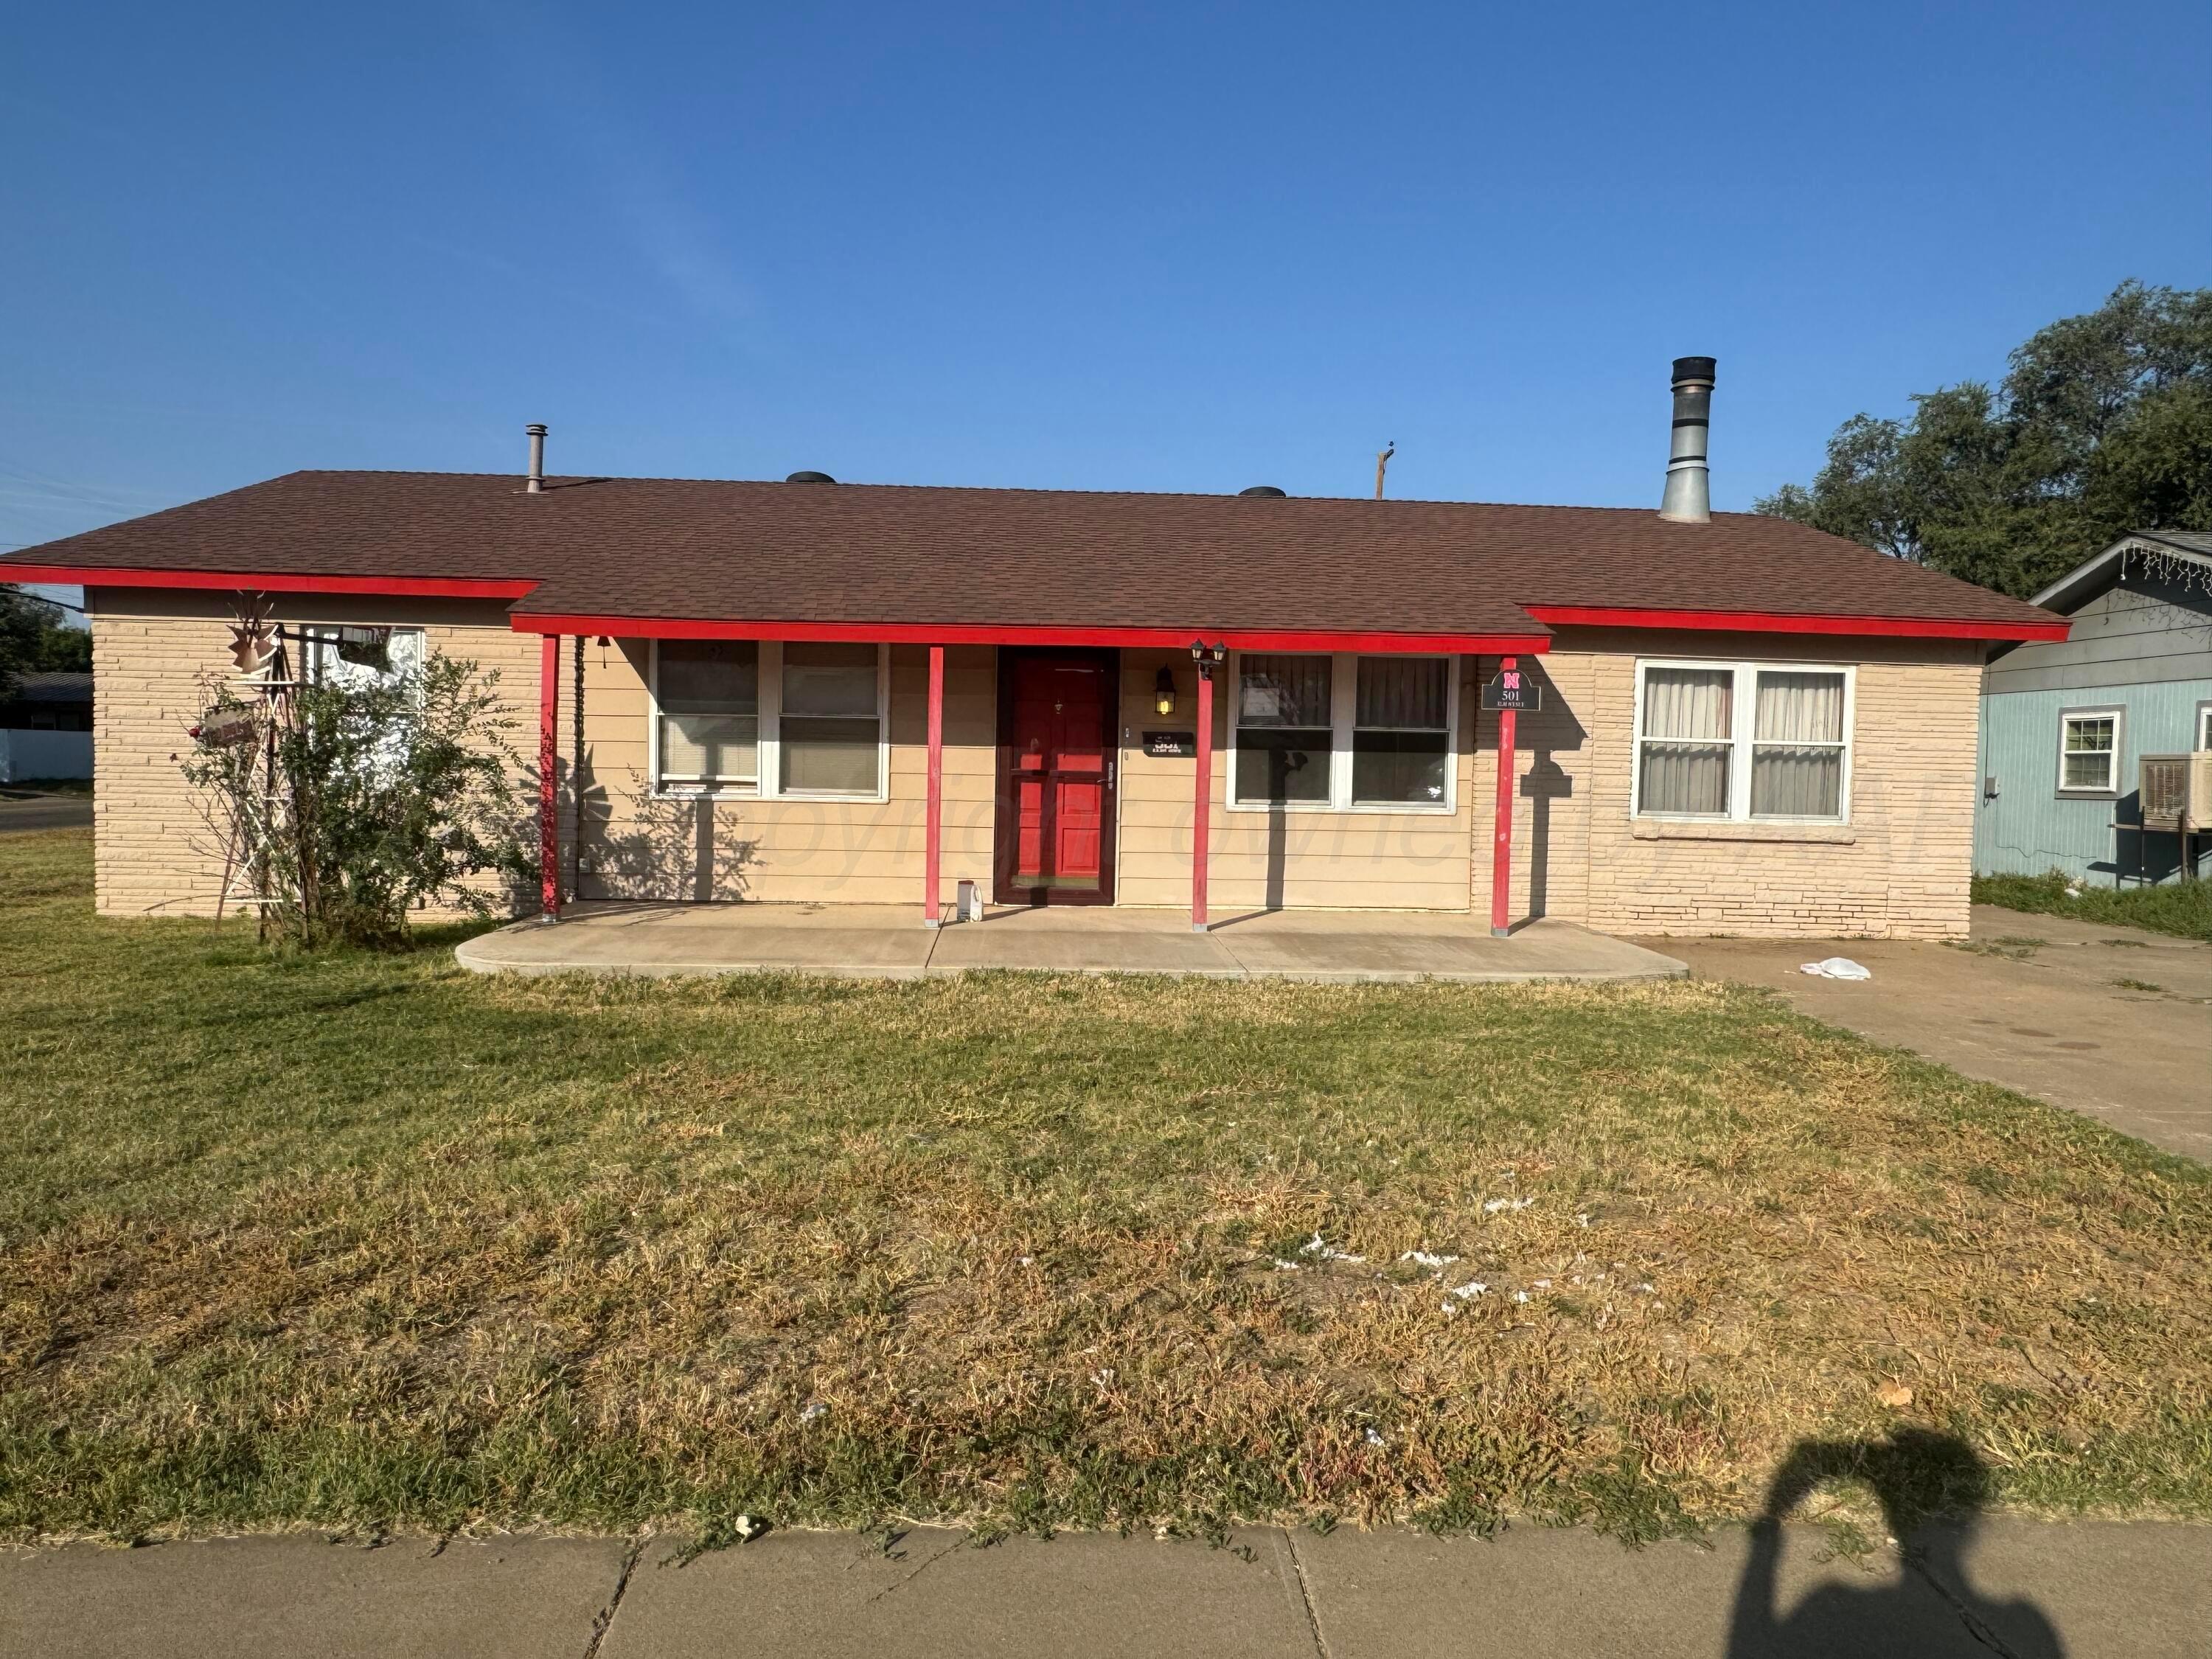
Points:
(1510, 689)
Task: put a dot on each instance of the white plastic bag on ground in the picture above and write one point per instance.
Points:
(1837, 968)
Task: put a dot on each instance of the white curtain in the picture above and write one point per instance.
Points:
(1794, 708)
(1688, 717)
(1797, 756)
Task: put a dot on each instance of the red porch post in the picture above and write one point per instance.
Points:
(549, 766)
(1200, 820)
(932, 832)
(1501, 861)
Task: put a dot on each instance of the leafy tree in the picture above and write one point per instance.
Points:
(356, 800)
(2102, 425)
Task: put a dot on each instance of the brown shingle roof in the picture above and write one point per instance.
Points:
(893, 553)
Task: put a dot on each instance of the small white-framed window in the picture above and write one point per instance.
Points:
(797, 720)
(830, 720)
(2089, 750)
(1401, 732)
(1314, 731)
(1743, 741)
(1283, 735)
(2203, 725)
(705, 713)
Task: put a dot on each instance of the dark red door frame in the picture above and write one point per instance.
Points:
(1006, 810)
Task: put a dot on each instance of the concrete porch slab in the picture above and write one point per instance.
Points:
(890, 942)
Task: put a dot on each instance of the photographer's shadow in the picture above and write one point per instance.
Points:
(1932, 1488)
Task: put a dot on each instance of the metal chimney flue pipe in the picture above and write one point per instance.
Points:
(1689, 496)
(536, 483)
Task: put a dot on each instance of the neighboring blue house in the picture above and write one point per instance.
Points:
(2065, 724)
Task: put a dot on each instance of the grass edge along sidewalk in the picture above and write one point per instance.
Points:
(364, 1241)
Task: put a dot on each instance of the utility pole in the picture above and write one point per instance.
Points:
(1383, 459)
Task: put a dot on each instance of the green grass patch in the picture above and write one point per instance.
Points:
(2182, 907)
(367, 1240)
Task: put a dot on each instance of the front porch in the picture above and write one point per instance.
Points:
(882, 941)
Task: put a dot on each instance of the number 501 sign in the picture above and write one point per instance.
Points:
(1511, 689)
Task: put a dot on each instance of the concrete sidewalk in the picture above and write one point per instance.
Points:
(2021, 1588)
(2113, 1022)
(889, 942)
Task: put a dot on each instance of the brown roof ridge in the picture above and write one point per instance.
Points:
(1009, 489)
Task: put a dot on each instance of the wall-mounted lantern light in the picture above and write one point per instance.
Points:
(1164, 691)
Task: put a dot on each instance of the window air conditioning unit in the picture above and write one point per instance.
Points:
(2172, 786)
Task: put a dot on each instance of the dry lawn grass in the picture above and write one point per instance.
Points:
(368, 1242)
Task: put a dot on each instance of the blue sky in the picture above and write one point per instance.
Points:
(1173, 247)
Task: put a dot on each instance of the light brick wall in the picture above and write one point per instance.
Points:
(1899, 870)
(155, 651)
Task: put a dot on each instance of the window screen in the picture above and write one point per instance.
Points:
(709, 695)
(1401, 730)
(831, 725)
(1689, 718)
(1283, 735)
(1797, 747)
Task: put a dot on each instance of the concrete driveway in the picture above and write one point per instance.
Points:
(2110, 1021)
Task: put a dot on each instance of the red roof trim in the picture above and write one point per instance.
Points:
(1773, 621)
(442, 588)
(692, 627)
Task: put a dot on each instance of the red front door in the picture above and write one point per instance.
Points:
(1056, 754)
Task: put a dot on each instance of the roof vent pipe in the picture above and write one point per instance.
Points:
(1689, 498)
(535, 484)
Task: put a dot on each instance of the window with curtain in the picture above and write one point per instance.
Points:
(1284, 729)
(829, 728)
(708, 693)
(1688, 742)
(2089, 751)
(1743, 740)
(1797, 746)
(1402, 731)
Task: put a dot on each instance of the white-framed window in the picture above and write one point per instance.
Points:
(1743, 741)
(1317, 731)
(2203, 725)
(705, 713)
(797, 720)
(342, 653)
(831, 720)
(2089, 750)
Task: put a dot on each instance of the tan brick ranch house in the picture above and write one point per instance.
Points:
(826, 692)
